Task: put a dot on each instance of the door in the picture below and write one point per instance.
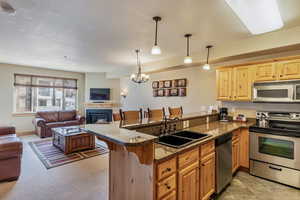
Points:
(242, 83)
(280, 150)
(224, 84)
(207, 176)
(244, 148)
(188, 182)
(235, 155)
(289, 70)
(265, 72)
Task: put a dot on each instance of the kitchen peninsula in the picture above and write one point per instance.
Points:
(140, 168)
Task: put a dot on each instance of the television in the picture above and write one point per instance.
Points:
(99, 94)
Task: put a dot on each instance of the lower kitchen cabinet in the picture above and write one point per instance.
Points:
(244, 148)
(188, 183)
(235, 155)
(207, 176)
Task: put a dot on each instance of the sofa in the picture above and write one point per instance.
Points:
(11, 149)
(46, 120)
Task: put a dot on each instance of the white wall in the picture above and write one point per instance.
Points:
(99, 80)
(7, 91)
(200, 91)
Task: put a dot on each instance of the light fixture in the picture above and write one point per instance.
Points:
(207, 66)
(155, 49)
(188, 59)
(139, 77)
(259, 16)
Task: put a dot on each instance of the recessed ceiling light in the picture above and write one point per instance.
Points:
(259, 16)
(6, 7)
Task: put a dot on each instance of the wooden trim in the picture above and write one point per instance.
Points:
(29, 114)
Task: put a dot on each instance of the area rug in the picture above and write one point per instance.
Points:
(52, 157)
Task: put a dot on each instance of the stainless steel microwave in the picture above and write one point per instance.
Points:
(285, 91)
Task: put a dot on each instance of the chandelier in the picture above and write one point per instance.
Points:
(139, 77)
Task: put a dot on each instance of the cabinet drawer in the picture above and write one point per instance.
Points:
(171, 196)
(166, 186)
(166, 168)
(207, 148)
(188, 158)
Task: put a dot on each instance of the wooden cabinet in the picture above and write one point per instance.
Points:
(244, 148)
(235, 155)
(242, 81)
(289, 70)
(166, 186)
(166, 169)
(224, 84)
(207, 176)
(265, 72)
(188, 183)
(171, 196)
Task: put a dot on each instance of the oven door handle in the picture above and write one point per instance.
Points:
(275, 168)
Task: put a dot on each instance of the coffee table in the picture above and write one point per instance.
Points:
(72, 138)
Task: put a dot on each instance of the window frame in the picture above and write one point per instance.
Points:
(32, 86)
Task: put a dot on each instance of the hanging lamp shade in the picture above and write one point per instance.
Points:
(188, 59)
(156, 49)
(139, 77)
(207, 66)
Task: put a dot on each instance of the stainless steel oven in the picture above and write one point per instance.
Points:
(280, 150)
(297, 92)
(275, 147)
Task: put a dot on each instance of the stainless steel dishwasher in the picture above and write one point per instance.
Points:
(223, 161)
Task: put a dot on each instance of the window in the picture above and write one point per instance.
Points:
(39, 93)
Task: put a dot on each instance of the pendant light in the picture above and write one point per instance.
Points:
(139, 77)
(207, 66)
(156, 49)
(188, 59)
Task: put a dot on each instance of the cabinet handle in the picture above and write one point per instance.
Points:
(280, 75)
(166, 170)
(275, 168)
(167, 186)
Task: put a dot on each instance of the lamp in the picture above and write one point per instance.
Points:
(139, 77)
(207, 66)
(188, 59)
(156, 49)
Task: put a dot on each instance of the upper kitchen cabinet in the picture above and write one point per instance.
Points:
(224, 84)
(265, 72)
(289, 70)
(242, 80)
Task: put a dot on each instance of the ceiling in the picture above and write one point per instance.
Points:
(100, 36)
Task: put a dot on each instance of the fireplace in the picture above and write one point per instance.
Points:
(94, 115)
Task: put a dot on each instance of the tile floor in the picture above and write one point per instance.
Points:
(88, 180)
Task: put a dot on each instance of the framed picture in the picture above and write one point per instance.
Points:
(161, 84)
(155, 84)
(174, 83)
(155, 93)
(168, 84)
(160, 92)
(182, 92)
(167, 92)
(174, 92)
(182, 82)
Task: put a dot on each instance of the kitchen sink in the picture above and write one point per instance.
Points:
(181, 139)
(174, 141)
(191, 135)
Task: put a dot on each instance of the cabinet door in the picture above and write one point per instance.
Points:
(188, 183)
(265, 72)
(224, 84)
(289, 70)
(235, 155)
(242, 83)
(244, 148)
(171, 196)
(207, 176)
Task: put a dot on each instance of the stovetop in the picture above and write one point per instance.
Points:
(275, 130)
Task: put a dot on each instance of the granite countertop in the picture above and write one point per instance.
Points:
(118, 132)
(113, 133)
(215, 129)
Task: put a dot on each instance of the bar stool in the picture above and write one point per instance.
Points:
(116, 117)
(131, 114)
(156, 113)
(176, 111)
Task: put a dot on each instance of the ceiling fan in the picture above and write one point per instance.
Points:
(7, 7)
